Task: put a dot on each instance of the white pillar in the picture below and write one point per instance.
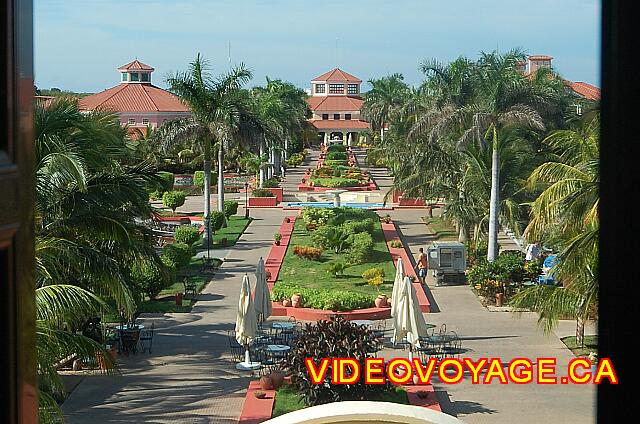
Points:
(261, 177)
(349, 140)
(344, 138)
(326, 138)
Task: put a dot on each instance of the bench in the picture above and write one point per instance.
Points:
(190, 288)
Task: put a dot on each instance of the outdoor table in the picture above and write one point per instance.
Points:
(430, 326)
(277, 348)
(365, 322)
(438, 338)
(283, 325)
(126, 327)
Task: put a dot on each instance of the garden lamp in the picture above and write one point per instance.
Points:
(246, 200)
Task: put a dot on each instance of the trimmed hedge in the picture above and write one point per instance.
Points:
(336, 148)
(174, 199)
(335, 182)
(336, 162)
(167, 181)
(178, 254)
(230, 208)
(334, 300)
(261, 192)
(187, 234)
(270, 183)
(336, 156)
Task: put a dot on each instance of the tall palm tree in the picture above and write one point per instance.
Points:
(566, 214)
(218, 107)
(502, 98)
(88, 201)
(386, 97)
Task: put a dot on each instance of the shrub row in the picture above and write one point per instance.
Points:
(335, 182)
(307, 252)
(336, 156)
(186, 234)
(261, 192)
(335, 300)
(336, 148)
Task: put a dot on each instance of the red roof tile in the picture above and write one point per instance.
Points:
(136, 65)
(334, 103)
(586, 90)
(133, 97)
(326, 124)
(337, 75)
(540, 57)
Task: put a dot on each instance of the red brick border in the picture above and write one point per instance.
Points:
(256, 410)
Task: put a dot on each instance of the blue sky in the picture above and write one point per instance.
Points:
(80, 43)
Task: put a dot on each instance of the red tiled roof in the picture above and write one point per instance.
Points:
(334, 103)
(136, 65)
(540, 57)
(326, 124)
(586, 90)
(337, 75)
(134, 98)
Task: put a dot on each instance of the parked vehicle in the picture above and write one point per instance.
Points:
(448, 262)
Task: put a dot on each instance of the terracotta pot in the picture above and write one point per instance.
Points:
(286, 303)
(416, 380)
(277, 378)
(296, 300)
(381, 301)
(389, 302)
(266, 383)
(277, 242)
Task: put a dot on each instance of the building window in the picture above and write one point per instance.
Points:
(325, 116)
(131, 121)
(336, 88)
(352, 89)
(347, 116)
(124, 76)
(144, 77)
(336, 116)
(133, 76)
(320, 88)
(145, 121)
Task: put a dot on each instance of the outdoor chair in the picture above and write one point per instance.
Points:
(190, 288)
(146, 338)
(429, 350)
(129, 341)
(453, 347)
(237, 351)
(380, 328)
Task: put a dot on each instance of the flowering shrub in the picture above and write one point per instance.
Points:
(318, 216)
(307, 252)
(372, 273)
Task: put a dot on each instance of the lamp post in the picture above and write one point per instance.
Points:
(246, 200)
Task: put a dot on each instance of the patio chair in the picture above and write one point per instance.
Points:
(190, 288)
(129, 341)
(454, 347)
(429, 350)
(237, 351)
(146, 338)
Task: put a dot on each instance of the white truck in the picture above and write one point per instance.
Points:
(448, 262)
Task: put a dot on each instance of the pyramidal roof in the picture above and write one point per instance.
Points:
(136, 65)
(337, 75)
(134, 98)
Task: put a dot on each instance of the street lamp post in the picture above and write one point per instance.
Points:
(246, 200)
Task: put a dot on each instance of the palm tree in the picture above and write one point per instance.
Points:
(218, 107)
(386, 97)
(566, 214)
(502, 98)
(88, 201)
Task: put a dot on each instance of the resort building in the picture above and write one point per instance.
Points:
(335, 103)
(136, 100)
(583, 91)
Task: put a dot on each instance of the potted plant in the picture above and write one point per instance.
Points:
(277, 237)
(387, 219)
(286, 303)
(296, 300)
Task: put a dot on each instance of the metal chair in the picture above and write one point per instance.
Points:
(146, 338)
(129, 341)
(453, 347)
(237, 351)
(190, 288)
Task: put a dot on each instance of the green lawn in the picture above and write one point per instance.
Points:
(590, 345)
(313, 274)
(232, 232)
(441, 229)
(288, 400)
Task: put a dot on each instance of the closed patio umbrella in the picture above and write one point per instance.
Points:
(246, 325)
(262, 297)
(409, 321)
(397, 284)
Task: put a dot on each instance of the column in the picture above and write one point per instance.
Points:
(344, 138)
(326, 138)
(349, 140)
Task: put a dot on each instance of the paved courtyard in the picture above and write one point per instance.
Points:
(190, 377)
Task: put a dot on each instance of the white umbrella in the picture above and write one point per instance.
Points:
(246, 326)
(409, 320)
(262, 297)
(397, 284)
